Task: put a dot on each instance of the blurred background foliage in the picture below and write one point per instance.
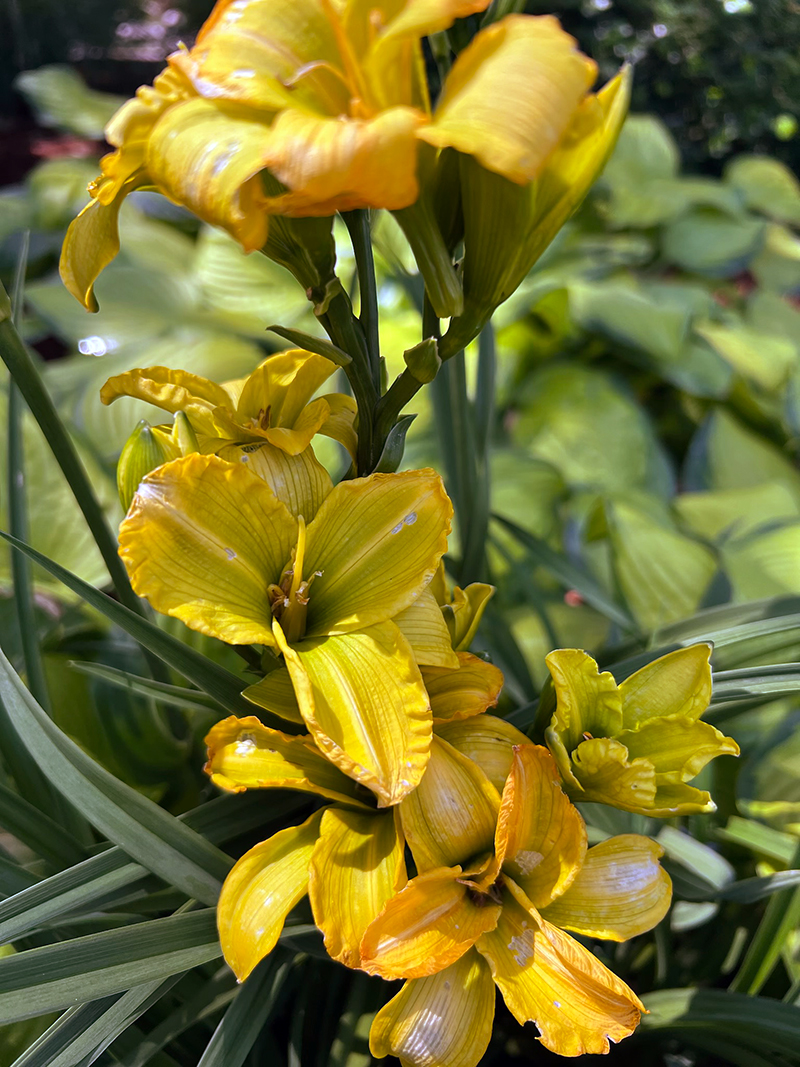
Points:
(642, 473)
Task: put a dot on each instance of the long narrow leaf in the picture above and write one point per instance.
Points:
(39, 832)
(86, 968)
(146, 832)
(212, 679)
(175, 695)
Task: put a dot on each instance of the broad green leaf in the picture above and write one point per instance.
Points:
(767, 186)
(57, 190)
(733, 457)
(147, 833)
(708, 241)
(645, 150)
(61, 98)
(762, 358)
(764, 564)
(777, 265)
(58, 976)
(723, 513)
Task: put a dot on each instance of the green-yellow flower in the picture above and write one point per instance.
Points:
(635, 746)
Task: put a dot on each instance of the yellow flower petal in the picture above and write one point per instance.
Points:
(427, 926)
(171, 390)
(417, 18)
(300, 482)
(275, 693)
(441, 1021)
(329, 165)
(294, 440)
(282, 386)
(91, 243)
(362, 698)
(261, 890)
(621, 891)
(202, 541)
(465, 611)
(677, 798)
(245, 754)
(607, 777)
(209, 159)
(377, 542)
(465, 692)
(588, 702)
(676, 684)
(678, 747)
(511, 95)
(547, 978)
(488, 741)
(356, 867)
(541, 838)
(450, 817)
(340, 424)
(424, 628)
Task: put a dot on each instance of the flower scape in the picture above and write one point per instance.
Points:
(446, 849)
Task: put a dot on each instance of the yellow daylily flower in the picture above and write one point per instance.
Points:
(501, 879)
(330, 100)
(210, 543)
(462, 608)
(636, 745)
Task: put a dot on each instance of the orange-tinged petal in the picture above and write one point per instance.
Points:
(450, 817)
(488, 741)
(300, 482)
(356, 867)
(678, 747)
(621, 891)
(441, 1021)
(261, 890)
(465, 692)
(282, 386)
(209, 158)
(606, 775)
(362, 698)
(308, 423)
(202, 542)
(245, 754)
(424, 628)
(377, 542)
(511, 95)
(171, 390)
(547, 978)
(330, 164)
(676, 684)
(275, 693)
(427, 926)
(541, 837)
(589, 702)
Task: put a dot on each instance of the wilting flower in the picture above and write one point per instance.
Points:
(500, 880)
(349, 858)
(331, 101)
(636, 745)
(338, 589)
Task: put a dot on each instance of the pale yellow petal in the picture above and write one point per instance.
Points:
(547, 978)
(356, 867)
(340, 424)
(677, 798)
(441, 1021)
(487, 740)
(541, 837)
(678, 747)
(300, 482)
(621, 891)
(275, 693)
(419, 18)
(511, 95)
(208, 159)
(676, 684)
(171, 390)
(377, 542)
(606, 776)
(261, 890)
(362, 698)
(465, 612)
(450, 817)
(282, 386)
(92, 241)
(245, 754)
(589, 703)
(330, 164)
(465, 692)
(202, 541)
(426, 926)
(423, 626)
(307, 424)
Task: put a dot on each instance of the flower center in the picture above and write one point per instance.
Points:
(289, 598)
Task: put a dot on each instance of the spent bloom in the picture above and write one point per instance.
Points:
(635, 746)
(502, 876)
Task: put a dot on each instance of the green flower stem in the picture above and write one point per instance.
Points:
(358, 224)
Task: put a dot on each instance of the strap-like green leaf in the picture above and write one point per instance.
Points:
(313, 344)
(145, 831)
